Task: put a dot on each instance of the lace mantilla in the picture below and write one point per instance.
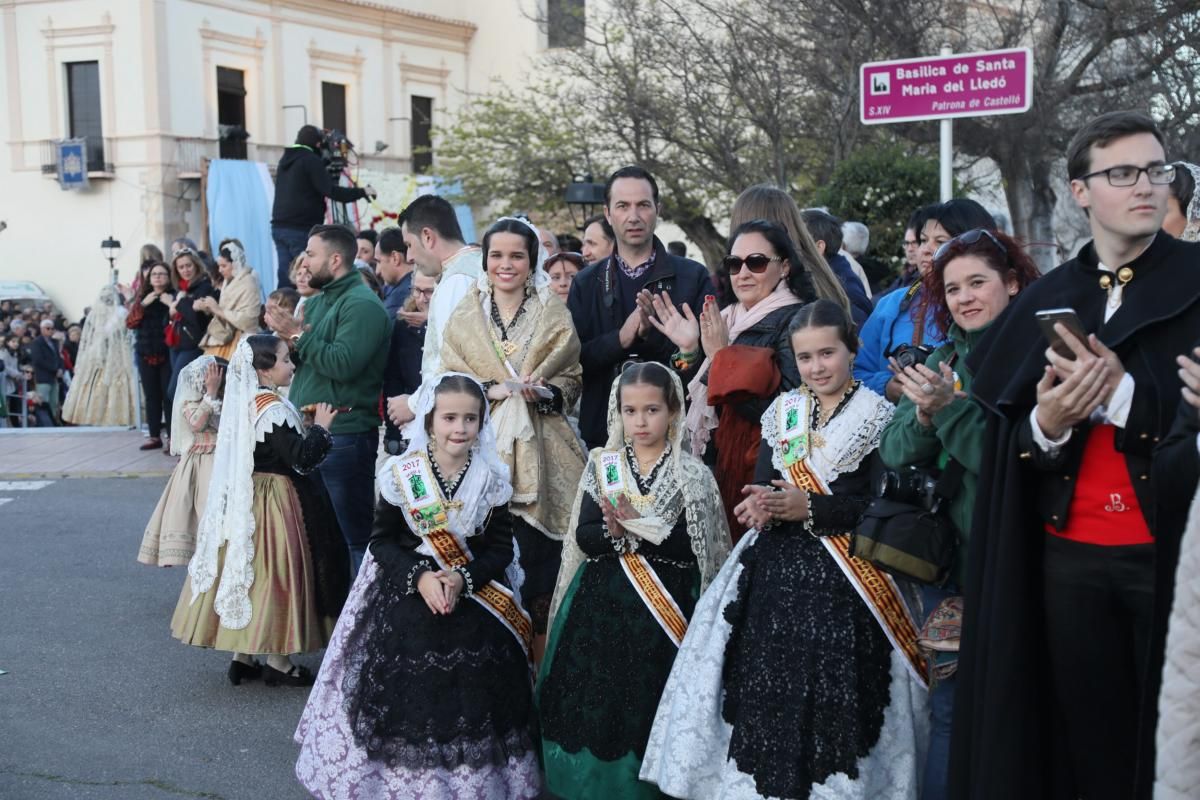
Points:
(845, 440)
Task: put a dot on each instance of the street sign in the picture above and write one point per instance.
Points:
(947, 86)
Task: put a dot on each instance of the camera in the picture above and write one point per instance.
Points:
(910, 485)
(909, 355)
(335, 150)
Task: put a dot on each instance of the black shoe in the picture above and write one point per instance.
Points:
(296, 676)
(239, 672)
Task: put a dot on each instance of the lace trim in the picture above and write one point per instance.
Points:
(851, 435)
(418, 569)
(449, 486)
(645, 482)
(273, 416)
(468, 583)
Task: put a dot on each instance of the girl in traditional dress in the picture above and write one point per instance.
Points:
(647, 535)
(170, 537)
(510, 332)
(271, 569)
(425, 690)
(799, 677)
(103, 389)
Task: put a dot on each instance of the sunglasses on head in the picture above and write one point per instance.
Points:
(967, 239)
(755, 262)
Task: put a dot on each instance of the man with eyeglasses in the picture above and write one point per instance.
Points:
(1057, 675)
(403, 373)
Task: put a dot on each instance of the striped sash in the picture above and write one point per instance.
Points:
(498, 600)
(876, 588)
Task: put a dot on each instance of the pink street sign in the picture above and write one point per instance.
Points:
(942, 87)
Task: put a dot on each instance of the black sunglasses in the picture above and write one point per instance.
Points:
(967, 239)
(756, 262)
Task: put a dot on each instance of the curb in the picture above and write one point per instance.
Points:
(27, 476)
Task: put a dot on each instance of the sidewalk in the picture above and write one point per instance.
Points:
(79, 453)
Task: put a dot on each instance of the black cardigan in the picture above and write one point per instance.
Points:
(192, 323)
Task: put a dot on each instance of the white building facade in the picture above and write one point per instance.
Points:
(153, 85)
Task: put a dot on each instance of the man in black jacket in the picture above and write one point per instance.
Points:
(47, 367)
(1058, 654)
(301, 185)
(613, 328)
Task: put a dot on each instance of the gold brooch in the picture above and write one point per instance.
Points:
(509, 348)
(1124, 276)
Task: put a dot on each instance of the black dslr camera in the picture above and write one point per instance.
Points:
(909, 355)
(910, 485)
(335, 150)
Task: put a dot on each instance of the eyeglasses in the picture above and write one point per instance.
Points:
(756, 262)
(967, 239)
(1128, 175)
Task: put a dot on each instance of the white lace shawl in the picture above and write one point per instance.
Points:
(845, 440)
(1191, 233)
(228, 515)
(189, 389)
(707, 526)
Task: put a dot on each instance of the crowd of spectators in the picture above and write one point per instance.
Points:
(40, 348)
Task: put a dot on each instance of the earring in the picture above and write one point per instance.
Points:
(433, 441)
(628, 440)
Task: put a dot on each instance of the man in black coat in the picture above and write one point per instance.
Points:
(604, 301)
(46, 358)
(301, 185)
(1057, 656)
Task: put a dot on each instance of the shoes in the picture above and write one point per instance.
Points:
(296, 676)
(239, 671)
(151, 444)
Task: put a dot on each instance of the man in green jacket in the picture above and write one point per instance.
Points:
(340, 345)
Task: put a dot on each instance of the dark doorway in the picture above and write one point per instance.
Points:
(333, 106)
(83, 110)
(231, 112)
(422, 133)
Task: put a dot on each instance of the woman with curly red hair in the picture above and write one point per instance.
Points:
(974, 277)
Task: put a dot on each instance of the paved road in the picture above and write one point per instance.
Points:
(99, 701)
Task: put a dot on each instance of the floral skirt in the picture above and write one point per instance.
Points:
(334, 762)
(286, 618)
(170, 537)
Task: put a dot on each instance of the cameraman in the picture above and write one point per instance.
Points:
(892, 331)
(302, 182)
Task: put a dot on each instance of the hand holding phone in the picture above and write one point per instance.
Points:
(1048, 318)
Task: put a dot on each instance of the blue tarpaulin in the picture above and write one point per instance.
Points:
(240, 196)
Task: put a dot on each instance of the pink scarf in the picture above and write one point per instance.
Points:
(701, 417)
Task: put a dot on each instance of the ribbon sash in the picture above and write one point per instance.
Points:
(876, 588)
(414, 477)
(613, 475)
(496, 599)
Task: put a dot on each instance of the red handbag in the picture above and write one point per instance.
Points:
(741, 372)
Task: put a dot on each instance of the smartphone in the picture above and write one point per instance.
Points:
(1047, 318)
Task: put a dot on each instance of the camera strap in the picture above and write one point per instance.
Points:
(906, 303)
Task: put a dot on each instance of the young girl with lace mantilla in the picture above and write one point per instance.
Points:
(271, 569)
(799, 677)
(647, 535)
(425, 691)
(170, 536)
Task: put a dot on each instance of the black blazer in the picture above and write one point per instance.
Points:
(46, 360)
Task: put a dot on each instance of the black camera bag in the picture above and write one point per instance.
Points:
(908, 541)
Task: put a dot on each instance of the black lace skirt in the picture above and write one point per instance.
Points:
(610, 661)
(431, 691)
(807, 668)
(330, 557)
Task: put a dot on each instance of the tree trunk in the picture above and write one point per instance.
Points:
(1031, 201)
(704, 235)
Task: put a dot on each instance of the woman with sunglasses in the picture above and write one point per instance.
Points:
(972, 280)
(747, 352)
(901, 320)
(562, 268)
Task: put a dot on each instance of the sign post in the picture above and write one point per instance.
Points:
(944, 87)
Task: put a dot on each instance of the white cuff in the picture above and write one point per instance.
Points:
(1198, 441)
(1047, 445)
(1117, 410)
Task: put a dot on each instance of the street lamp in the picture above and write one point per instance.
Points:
(585, 197)
(111, 248)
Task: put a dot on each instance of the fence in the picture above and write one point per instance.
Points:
(16, 404)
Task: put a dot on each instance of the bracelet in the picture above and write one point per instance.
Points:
(808, 518)
(620, 543)
(684, 361)
(468, 584)
(414, 573)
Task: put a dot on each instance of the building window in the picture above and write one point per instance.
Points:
(83, 110)
(565, 20)
(333, 106)
(231, 112)
(421, 122)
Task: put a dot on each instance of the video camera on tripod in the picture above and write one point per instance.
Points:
(335, 149)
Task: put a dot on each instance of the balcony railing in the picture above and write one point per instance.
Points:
(190, 154)
(99, 151)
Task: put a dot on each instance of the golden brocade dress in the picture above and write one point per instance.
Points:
(300, 564)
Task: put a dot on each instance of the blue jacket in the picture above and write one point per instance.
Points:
(889, 325)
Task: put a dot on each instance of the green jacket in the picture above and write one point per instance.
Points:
(957, 432)
(341, 356)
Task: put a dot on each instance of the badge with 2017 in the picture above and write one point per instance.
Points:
(414, 477)
(794, 423)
